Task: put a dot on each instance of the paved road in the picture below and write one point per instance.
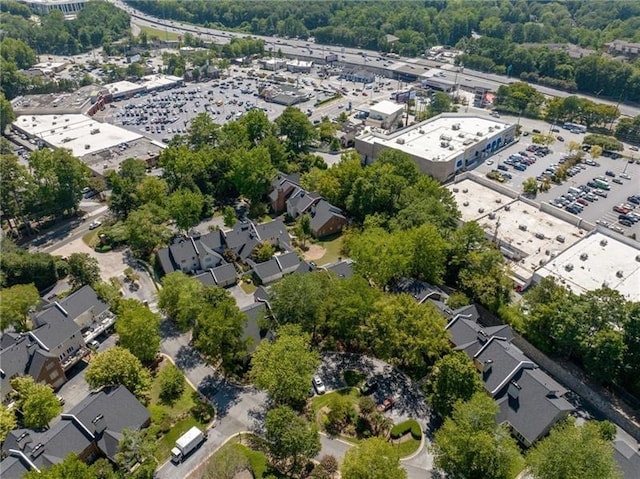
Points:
(350, 56)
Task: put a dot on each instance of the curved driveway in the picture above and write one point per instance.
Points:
(243, 408)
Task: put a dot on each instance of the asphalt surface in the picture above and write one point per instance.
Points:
(599, 210)
(351, 57)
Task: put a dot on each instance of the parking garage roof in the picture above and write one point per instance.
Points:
(426, 139)
(597, 261)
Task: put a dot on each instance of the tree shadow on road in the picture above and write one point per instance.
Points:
(187, 358)
(168, 329)
(220, 392)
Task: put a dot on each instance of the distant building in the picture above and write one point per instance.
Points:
(44, 7)
(299, 66)
(441, 146)
(385, 114)
(623, 48)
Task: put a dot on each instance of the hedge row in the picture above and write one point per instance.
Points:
(403, 428)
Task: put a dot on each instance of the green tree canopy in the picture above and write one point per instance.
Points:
(38, 402)
(172, 383)
(573, 452)
(454, 378)
(373, 458)
(296, 127)
(7, 422)
(180, 298)
(185, 207)
(290, 438)
(285, 367)
(83, 270)
(139, 329)
(16, 303)
(470, 445)
(118, 366)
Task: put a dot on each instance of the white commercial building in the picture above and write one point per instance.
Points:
(602, 259)
(385, 114)
(528, 237)
(299, 66)
(44, 7)
(161, 82)
(123, 89)
(441, 146)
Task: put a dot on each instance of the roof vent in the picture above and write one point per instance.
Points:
(39, 449)
(619, 274)
(99, 424)
(507, 208)
(568, 267)
(485, 366)
(522, 227)
(492, 215)
(584, 256)
(638, 258)
(560, 239)
(400, 141)
(603, 242)
(514, 390)
(455, 126)
(479, 133)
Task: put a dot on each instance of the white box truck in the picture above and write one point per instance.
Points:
(187, 443)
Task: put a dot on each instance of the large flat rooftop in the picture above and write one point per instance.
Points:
(386, 107)
(527, 236)
(596, 261)
(76, 102)
(440, 139)
(79, 133)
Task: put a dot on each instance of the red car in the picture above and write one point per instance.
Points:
(621, 209)
(386, 405)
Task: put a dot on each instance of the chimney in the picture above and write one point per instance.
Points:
(485, 366)
(99, 424)
(514, 390)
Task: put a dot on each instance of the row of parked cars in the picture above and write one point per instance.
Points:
(627, 214)
(576, 199)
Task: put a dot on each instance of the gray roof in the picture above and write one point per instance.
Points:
(305, 267)
(242, 239)
(420, 290)
(77, 303)
(628, 459)
(532, 404)
(261, 294)
(206, 278)
(302, 201)
(267, 270)
(288, 260)
(212, 240)
(322, 212)
(55, 331)
(274, 231)
(183, 249)
(166, 262)
(224, 273)
(116, 408)
(501, 360)
(13, 468)
(119, 410)
(342, 269)
(254, 312)
(469, 336)
(284, 182)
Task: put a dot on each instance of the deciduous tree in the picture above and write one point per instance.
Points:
(83, 270)
(373, 458)
(118, 366)
(139, 329)
(227, 463)
(285, 367)
(38, 402)
(470, 445)
(453, 378)
(7, 422)
(180, 298)
(573, 452)
(16, 303)
(172, 383)
(185, 207)
(290, 438)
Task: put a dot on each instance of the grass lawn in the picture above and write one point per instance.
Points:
(248, 288)
(408, 447)
(318, 402)
(332, 245)
(177, 414)
(257, 459)
(161, 34)
(91, 238)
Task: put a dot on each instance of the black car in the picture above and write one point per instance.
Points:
(610, 173)
(625, 222)
(618, 181)
(369, 386)
(635, 199)
(503, 167)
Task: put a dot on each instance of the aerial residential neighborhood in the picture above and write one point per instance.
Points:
(357, 240)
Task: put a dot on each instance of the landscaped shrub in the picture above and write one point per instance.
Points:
(409, 426)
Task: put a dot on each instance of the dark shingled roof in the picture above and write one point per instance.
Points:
(14, 468)
(503, 361)
(254, 313)
(55, 331)
(288, 261)
(420, 290)
(342, 269)
(532, 403)
(469, 336)
(77, 303)
(218, 275)
(265, 271)
(322, 212)
(302, 201)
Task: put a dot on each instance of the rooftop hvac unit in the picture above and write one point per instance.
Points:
(467, 142)
(479, 133)
(95, 131)
(568, 267)
(619, 274)
(507, 207)
(451, 148)
(540, 235)
(560, 239)
(638, 258)
(465, 190)
(584, 256)
(455, 126)
(490, 129)
(492, 215)
(603, 242)
(444, 144)
(498, 200)
(421, 132)
(455, 190)
(400, 141)
(522, 227)
(445, 137)
(466, 203)
(461, 135)
(497, 127)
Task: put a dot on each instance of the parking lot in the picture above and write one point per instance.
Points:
(600, 208)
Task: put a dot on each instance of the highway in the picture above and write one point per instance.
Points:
(352, 57)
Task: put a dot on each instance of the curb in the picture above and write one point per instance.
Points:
(224, 443)
(346, 443)
(415, 454)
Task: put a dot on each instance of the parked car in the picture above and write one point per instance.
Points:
(610, 173)
(386, 405)
(503, 167)
(618, 181)
(318, 385)
(95, 224)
